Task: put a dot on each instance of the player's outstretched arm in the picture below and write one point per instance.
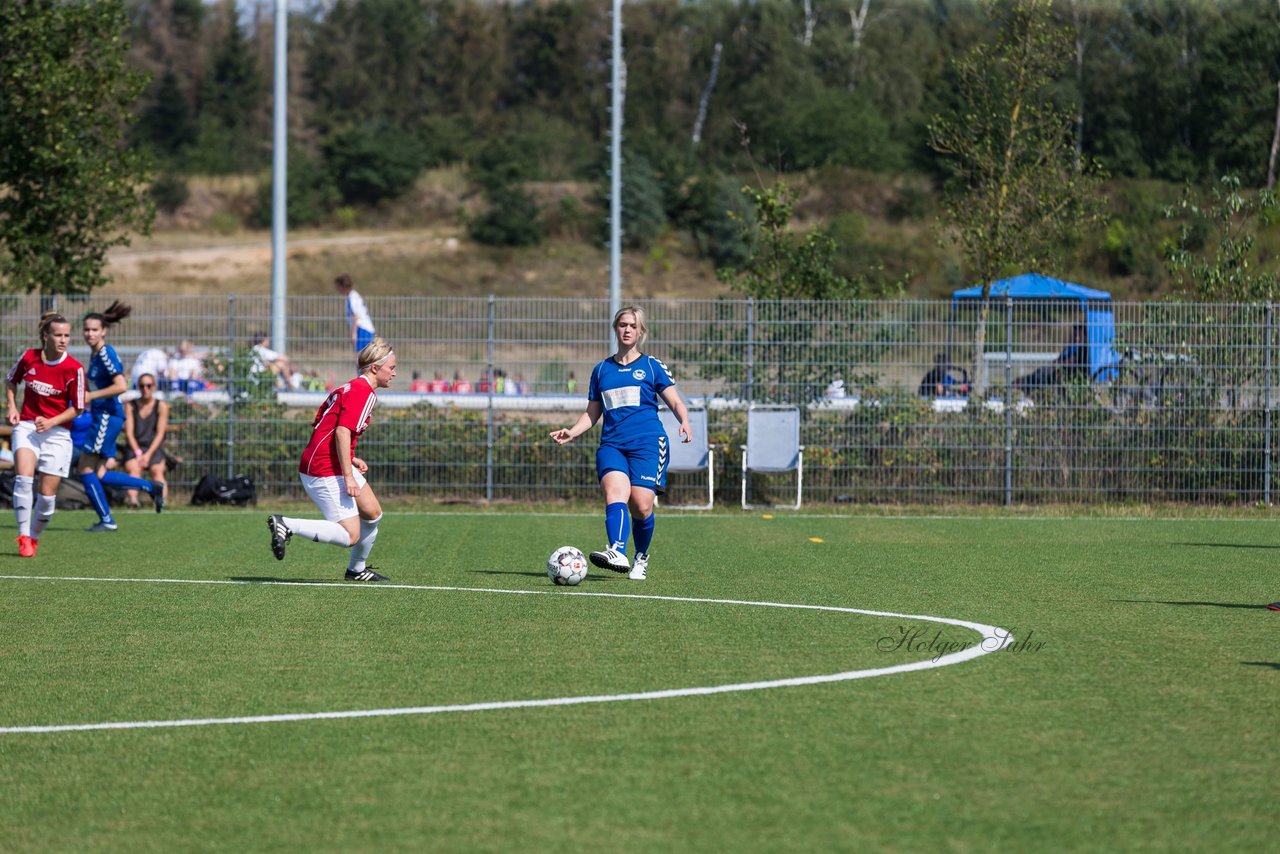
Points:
(584, 423)
(11, 402)
(66, 416)
(672, 398)
(342, 441)
(119, 385)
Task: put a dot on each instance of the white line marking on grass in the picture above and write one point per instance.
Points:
(994, 639)
(678, 513)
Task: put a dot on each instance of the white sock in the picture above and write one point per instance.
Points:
(364, 545)
(45, 505)
(319, 531)
(22, 500)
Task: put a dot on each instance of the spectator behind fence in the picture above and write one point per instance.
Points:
(310, 380)
(944, 378)
(439, 385)
(418, 385)
(152, 361)
(1072, 364)
(265, 359)
(186, 369)
(460, 385)
(6, 453)
(359, 324)
(146, 424)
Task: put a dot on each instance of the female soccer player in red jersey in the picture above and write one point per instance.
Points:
(333, 476)
(41, 437)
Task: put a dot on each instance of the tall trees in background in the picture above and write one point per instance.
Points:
(1241, 60)
(69, 190)
(1180, 90)
(1174, 90)
(1014, 192)
(1170, 89)
(234, 120)
(1142, 92)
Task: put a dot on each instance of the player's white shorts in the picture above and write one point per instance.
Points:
(52, 447)
(330, 495)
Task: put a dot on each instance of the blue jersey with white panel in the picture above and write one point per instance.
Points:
(100, 371)
(629, 394)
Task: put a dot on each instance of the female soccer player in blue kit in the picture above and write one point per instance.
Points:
(631, 461)
(106, 382)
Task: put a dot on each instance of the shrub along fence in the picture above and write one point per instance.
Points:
(1065, 401)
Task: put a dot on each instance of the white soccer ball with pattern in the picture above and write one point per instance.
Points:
(567, 566)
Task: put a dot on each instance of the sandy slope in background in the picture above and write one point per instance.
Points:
(436, 261)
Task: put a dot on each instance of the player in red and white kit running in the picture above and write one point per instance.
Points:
(53, 397)
(333, 476)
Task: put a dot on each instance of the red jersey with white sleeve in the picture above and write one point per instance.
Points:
(52, 387)
(351, 406)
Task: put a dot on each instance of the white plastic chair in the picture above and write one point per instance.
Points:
(773, 447)
(696, 456)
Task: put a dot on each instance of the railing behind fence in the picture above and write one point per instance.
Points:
(1152, 401)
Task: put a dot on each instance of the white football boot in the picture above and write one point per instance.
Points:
(639, 571)
(611, 558)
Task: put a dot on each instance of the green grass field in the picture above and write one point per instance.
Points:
(1140, 712)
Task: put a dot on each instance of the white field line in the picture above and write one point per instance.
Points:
(993, 640)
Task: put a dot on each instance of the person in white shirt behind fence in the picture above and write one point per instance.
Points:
(265, 359)
(359, 324)
(186, 369)
(152, 360)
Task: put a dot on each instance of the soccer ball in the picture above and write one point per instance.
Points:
(567, 565)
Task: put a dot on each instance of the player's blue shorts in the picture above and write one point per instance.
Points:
(363, 338)
(644, 460)
(104, 429)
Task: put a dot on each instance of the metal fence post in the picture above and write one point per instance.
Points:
(1008, 402)
(492, 381)
(1266, 411)
(232, 390)
(751, 334)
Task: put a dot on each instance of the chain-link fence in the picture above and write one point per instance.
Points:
(1010, 401)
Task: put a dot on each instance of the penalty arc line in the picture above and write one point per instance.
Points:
(994, 639)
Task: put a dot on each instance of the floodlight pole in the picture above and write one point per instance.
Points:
(617, 76)
(279, 171)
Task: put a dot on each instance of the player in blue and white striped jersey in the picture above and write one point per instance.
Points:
(631, 461)
(106, 382)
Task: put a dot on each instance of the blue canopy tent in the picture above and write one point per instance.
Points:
(1095, 305)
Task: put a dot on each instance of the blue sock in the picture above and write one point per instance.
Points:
(617, 525)
(97, 496)
(642, 530)
(120, 480)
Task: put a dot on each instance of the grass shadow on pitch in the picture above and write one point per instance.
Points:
(1274, 665)
(591, 578)
(1230, 545)
(1201, 604)
(271, 579)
